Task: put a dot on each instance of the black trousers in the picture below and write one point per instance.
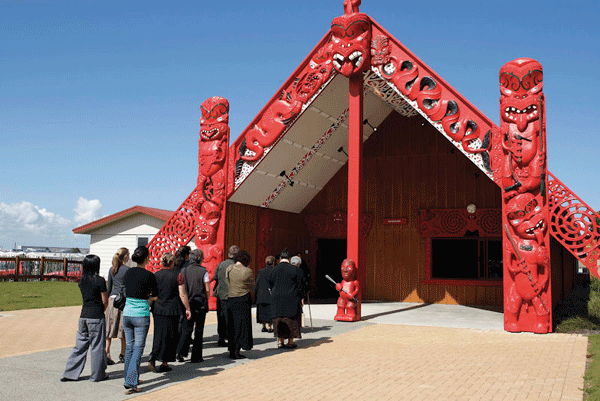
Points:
(164, 344)
(240, 319)
(195, 325)
(222, 319)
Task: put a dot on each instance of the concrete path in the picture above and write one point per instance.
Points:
(399, 351)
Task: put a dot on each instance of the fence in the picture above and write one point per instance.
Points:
(38, 269)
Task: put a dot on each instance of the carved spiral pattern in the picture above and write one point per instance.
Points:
(452, 222)
(490, 222)
(572, 222)
(180, 225)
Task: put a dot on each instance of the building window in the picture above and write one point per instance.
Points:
(142, 241)
(466, 258)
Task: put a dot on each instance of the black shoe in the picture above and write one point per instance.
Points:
(66, 379)
(265, 330)
(109, 362)
(239, 356)
(163, 369)
(121, 358)
(222, 343)
(270, 330)
(180, 358)
(196, 360)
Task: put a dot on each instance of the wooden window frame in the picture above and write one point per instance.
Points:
(456, 223)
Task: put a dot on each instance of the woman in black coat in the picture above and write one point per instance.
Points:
(166, 311)
(263, 296)
(287, 290)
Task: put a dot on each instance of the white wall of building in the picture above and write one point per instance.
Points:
(125, 232)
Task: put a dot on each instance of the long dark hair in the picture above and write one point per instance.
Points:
(90, 267)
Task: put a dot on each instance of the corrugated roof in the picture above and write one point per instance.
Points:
(150, 211)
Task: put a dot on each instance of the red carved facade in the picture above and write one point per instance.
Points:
(525, 212)
(513, 155)
(202, 214)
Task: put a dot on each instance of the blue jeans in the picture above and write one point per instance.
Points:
(136, 330)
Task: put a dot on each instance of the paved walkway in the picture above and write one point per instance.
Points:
(399, 351)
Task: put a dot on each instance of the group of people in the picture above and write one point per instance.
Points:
(177, 296)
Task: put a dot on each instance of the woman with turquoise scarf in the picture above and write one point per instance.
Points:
(140, 291)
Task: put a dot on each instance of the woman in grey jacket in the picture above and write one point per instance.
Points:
(114, 317)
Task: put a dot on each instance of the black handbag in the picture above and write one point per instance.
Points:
(119, 301)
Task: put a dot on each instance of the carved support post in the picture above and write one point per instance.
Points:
(356, 244)
(213, 151)
(520, 153)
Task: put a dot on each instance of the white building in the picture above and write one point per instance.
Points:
(129, 228)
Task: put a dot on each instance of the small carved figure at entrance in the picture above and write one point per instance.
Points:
(348, 288)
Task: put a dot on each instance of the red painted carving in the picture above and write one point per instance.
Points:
(283, 111)
(349, 288)
(574, 224)
(350, 43)
(201, 213)
(351, 6)
(520, 103)
(527, 295)
(458, 222)
(527, 301)
(380, 51)
(414, 80)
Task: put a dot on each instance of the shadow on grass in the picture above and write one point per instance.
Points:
(579, 312)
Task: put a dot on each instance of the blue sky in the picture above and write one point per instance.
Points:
(99, 100)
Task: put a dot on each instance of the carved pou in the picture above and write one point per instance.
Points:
(521, 136)
(521, 104)
(212, 180)
(528, 264)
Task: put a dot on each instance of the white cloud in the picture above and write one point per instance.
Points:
(24, 223)
(27, 224)
(87, 210)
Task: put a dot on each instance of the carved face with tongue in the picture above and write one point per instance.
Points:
(526, 217)
(350, 43)
(521, 84)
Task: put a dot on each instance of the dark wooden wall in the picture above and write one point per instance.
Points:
(408, 166)
(242, 230)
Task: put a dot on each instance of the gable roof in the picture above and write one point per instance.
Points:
(158, 213)
(308, 148)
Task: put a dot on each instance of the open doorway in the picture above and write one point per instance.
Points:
(330, 255)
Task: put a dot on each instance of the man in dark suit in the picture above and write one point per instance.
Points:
(287, 290)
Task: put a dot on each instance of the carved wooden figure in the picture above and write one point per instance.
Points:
(349, 288)
(525, 212)
(202, 213)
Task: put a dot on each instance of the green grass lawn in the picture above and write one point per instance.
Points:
(38, 294)
(592, 371)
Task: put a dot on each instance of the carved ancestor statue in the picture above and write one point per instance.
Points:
(521, 100)
(348, 288)
(201, 213)
(527, 300)
(528, 265)
(212, 156)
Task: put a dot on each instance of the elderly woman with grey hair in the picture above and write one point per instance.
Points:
(194, 288)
